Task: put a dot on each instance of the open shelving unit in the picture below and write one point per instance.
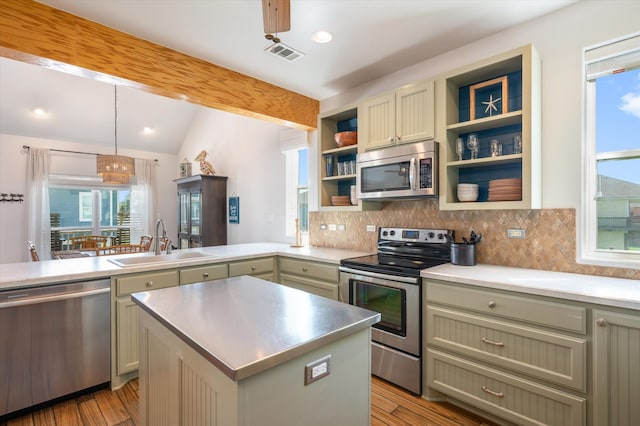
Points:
(335, 184)
(521, 67)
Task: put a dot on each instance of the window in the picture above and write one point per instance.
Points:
(297, 192)
(610, 217)
(77, 211)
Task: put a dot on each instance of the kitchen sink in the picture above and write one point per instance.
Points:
(151, 259)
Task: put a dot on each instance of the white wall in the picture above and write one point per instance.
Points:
(13, 171)
(247, 151)
(559, 38)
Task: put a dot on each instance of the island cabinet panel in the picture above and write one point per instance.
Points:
(520, 401)
(179, 386)
(616, 371)
(203, 273)
(260, 268)
(317, 278)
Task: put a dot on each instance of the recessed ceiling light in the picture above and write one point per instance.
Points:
(39, 112)
(147, 130)
(322, 36)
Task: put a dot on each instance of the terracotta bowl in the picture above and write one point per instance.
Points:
(346, 138)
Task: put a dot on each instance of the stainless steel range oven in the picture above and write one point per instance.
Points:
(389, 282)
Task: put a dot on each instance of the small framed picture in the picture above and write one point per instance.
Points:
(489, 98)
(234, 209)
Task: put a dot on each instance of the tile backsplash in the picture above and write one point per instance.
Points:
(549, 243)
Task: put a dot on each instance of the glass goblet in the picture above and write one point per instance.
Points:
(517, 144)
(473, 144)
(493, 148)
(459, 148)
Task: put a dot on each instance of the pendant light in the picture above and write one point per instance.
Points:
(116, 169)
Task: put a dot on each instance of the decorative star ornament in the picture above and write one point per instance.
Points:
(491, 105)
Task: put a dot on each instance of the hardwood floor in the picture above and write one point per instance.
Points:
(390, 406)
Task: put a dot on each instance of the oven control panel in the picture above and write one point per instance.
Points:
(415, 235)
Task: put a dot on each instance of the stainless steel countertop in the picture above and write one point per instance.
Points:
(245, 325)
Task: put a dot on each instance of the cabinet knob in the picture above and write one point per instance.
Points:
(601, 322)
(149, 283)
(390, 140)
(253, 268)
(492, 304)
(205, 275)
(304, 269)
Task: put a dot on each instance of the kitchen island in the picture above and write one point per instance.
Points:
(246, 351)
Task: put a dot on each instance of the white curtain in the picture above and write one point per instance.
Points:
(143, 199)
(37, 202)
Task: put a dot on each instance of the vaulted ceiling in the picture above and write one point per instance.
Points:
(371, 38)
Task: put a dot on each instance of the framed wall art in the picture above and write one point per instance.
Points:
(489, 98)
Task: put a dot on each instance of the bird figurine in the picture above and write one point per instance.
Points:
(205, 167)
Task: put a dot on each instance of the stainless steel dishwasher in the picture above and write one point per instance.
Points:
(54, 341)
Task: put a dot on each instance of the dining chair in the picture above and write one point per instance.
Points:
(33, 251)
(145, 242)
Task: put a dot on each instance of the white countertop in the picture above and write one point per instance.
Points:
(623, 293)
(27, 274)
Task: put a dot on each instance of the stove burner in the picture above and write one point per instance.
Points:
(405, 252)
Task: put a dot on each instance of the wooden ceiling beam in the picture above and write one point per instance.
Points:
(36, 33)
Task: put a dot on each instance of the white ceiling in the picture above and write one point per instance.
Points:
(372, 38)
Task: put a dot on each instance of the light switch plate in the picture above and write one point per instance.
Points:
(332, 227)
(515, 233)
(371, 228)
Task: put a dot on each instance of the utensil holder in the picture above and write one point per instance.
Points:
(463, 254)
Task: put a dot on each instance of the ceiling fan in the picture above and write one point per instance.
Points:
(276, 16)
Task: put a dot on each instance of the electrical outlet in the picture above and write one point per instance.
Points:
(332, 227)
(371, 228)
(515, 233)
(316, 370)
(342, 227)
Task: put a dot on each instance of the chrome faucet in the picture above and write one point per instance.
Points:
(156, 239)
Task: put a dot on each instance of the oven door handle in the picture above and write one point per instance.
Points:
(375, 276)
(412, 173)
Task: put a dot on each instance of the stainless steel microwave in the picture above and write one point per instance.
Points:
(403, 171)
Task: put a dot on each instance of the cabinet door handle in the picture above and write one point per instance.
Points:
(601, 322)
(491, 342)
(492, 304)
(253, 268)
(149, 284)
(205, 275)
(491, 392)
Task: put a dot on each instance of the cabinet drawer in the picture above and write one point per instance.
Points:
(320, 271)
(320, 288)
(251, 267)
(548, 356)
(144, 282)
(510, 397)
(205, 273)
(523, 308)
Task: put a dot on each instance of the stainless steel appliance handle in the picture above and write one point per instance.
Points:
(412, 173)
(375, 275)
(34, 299)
